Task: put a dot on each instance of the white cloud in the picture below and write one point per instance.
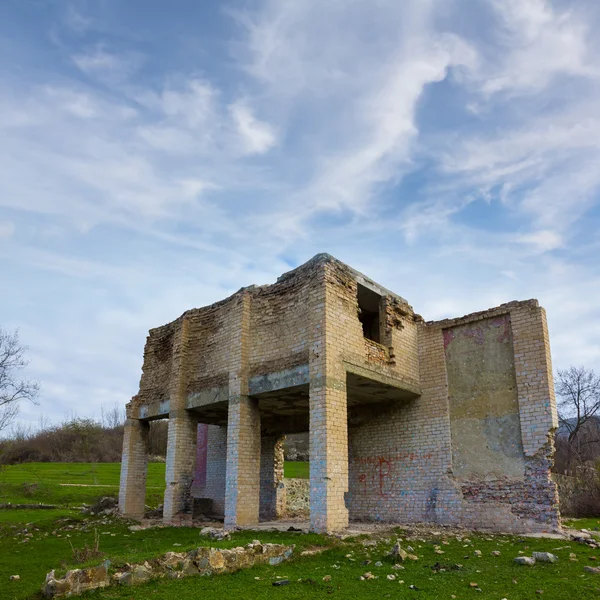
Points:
(7, 228)
(449, 161)
(543, 240)
(540, 43)
(107, 66)
(256, 137)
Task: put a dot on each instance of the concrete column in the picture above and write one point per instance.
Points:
(242, 484)
(181, 462)
(272, 489)
(328, 456)
(134, 469)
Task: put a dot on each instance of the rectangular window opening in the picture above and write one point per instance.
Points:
(369, 303)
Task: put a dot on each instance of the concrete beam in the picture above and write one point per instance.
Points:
(270, 382)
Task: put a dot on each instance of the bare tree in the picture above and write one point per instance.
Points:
(578, 391)
(13, 389)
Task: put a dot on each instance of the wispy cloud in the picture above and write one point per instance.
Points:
(157, 163)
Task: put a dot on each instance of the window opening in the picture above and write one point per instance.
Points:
(368, 312)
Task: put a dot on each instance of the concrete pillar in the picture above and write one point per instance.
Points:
(134, 469)
(181, 462)
(328, 456)
(272, 489)
(242, 484)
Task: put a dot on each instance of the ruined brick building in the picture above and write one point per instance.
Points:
(446, 421)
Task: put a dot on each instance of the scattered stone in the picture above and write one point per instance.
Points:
(327, 578)
(368, 575)
(477, 553)
(215, 533)
(125, 578)
(525, 560)
(15, 577)
(545, 557)
(76, 581)
(378, 564)
(398, 552)
(391, 577)
(496, 553)
(281, 582)
(141, 573)
(311, 551)
(594, 570)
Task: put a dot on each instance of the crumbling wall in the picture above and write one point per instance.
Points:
(211, 332)
(475, 448)
(156, 369)
(397, 354)
(272, 501)
(279, 323)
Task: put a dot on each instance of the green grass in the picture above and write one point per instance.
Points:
(497, 576)
(35, 483)
(591, 524)
(298, 470)
(32, 483)
(55, 532)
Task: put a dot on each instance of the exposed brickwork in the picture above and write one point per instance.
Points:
(394, 424)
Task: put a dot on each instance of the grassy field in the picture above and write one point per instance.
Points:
(446, 568)
(71, 484)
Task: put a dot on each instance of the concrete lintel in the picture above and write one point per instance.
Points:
(270, 382)
(394, 382)
(154, 410)
(207, 396)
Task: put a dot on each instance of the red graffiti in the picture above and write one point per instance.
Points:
(362, 479)
(384, 468)
(380, 478)
(375, 460)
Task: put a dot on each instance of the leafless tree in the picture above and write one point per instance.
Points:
(578, 391)
(13, 389)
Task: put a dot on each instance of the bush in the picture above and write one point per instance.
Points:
(78, 440)
(580, 495)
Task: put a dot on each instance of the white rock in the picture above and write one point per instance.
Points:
(525, 560)
(545, 557)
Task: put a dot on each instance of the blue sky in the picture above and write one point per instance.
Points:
(157, 156)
